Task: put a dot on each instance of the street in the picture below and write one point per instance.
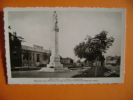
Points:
(72, 72)
(36, 74)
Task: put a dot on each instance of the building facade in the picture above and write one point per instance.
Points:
(34, 56)
(66, 60)
(112, 60)
(23, 56)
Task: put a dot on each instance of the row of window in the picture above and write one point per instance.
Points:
(30, 56)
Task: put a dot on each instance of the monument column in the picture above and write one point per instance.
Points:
(55, 58)
(54, 64)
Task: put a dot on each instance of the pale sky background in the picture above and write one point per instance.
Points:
(36, 28)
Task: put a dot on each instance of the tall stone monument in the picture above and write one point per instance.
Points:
(55, 64)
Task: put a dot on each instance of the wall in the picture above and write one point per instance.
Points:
(122, 91)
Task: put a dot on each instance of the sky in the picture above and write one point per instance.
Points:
(36, 28)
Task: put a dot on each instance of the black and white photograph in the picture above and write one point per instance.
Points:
(64, 45)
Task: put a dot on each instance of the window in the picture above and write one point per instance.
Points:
(29, 56)
(33, 56)
(38, 57)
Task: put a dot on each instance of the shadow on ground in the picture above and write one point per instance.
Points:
(95, 72)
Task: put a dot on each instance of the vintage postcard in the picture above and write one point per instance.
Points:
(65, 45)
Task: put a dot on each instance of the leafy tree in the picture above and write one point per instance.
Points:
(80, 50)
(20, 38)
(15, 41)
(15, 49)
(94, 47)
(118, 60)
(46, 56)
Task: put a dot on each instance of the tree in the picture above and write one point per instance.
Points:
(15, 49)
(15, 41)
(20, 38)
(46, 56)
(94, 47)
(79, 50)
(118, 60)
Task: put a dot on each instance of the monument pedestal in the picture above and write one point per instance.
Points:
(54, 65)
(53, 69)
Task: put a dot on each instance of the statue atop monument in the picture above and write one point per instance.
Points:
(55, 16)
(55, 22)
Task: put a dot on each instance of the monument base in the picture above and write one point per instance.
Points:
(47, 69)
(54, 67)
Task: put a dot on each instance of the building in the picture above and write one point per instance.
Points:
(112, 60)
(22, 55)
(34, 56)
(66, 60)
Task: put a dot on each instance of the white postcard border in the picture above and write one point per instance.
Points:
(47, 81)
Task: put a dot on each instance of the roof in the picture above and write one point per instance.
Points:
(67, 58)
(37, 49)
